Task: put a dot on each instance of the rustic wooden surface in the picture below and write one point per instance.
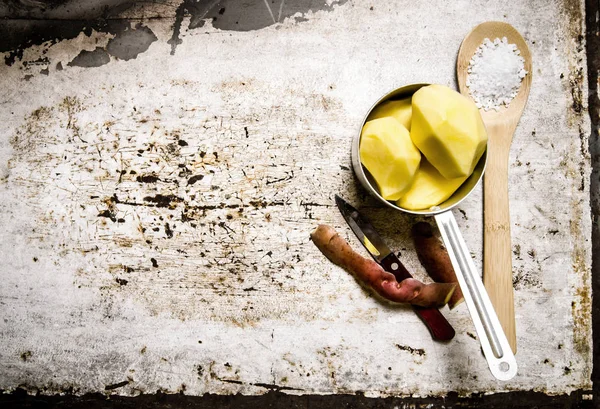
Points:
(156, 209)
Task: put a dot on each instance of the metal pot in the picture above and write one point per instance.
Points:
(497, 351)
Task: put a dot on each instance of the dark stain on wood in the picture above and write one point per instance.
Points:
(19, 398)
(413, 351)
(116, 385)
(121, 281)
(195, 179)
(168, 230)
(108, 214)
(25, 356)
(147, 178)
(163, 200)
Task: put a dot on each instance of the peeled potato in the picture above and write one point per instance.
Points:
(429, 188)
(388, 153)
(448, 129)
(400, 109)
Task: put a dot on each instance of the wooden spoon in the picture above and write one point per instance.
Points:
(497, 250)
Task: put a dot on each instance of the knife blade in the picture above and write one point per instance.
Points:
(364, 230)
(437, 324)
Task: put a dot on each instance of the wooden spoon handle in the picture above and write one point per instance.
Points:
(497, 251)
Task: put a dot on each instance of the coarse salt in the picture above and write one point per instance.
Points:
(495, 73)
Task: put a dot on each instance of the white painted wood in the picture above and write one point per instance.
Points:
(238, 298)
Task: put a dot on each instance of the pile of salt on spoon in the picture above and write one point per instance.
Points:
(495, 73)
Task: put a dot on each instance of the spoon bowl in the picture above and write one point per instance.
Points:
(501, 125)
(492, 30)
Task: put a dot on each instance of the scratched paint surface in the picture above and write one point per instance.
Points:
(156, 208)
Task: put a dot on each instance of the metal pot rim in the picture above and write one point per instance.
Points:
(366, 180)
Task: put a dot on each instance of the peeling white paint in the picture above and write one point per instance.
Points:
(239, 300)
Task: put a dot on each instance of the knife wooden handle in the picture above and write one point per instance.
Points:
(392, 264)
(435, 322)
(433, 319)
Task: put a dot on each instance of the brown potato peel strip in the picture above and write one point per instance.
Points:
(434, 257)
(367, 271)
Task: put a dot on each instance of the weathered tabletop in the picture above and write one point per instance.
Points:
(159, 179)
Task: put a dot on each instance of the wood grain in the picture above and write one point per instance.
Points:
(242, 303)
(501, 125)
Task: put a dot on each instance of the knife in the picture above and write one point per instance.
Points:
(437, 324)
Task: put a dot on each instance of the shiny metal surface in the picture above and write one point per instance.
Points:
(364, 230)
(499, 356)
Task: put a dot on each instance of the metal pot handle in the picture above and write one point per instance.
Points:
(497, 351)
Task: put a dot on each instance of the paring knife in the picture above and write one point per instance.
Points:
(437, 324)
